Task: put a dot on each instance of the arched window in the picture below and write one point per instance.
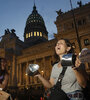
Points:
(34, 33)
(41, 34)
(37, 33)
(27, 35)
(86, 42)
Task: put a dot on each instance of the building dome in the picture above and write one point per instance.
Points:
(34, 17)
(35, 30)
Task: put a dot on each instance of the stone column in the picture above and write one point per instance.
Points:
(27, 77)
(20, 74)
(14, 73)
(44, 70)
(17, 74)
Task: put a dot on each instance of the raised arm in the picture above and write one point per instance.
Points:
(46, 83)
(80, 73)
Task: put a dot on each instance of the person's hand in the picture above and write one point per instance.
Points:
(77, 63)
(37, 74)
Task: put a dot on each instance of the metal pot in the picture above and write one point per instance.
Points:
(32, 69)
(68, 60)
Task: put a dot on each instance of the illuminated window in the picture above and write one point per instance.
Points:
(34, 33)
(86, 42)
(37, 33)
(26, 35)
(31, 33)
(40, 33)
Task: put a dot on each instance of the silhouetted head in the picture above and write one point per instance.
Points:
(3, 63)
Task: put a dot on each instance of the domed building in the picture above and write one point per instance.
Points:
(35, 31)
(19, 56)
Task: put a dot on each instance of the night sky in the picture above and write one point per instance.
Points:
(14, 13)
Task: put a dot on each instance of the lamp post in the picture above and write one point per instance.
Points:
(78, 39)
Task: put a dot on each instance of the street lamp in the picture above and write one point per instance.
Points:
(78, 39)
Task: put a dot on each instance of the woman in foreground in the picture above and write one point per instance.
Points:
(75, 77)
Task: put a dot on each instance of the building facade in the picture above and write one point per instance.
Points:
(37, 49)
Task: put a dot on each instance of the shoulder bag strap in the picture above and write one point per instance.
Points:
(61, 76)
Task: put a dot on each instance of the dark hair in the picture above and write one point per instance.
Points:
(68, 43)
(0, 62)
(2, 71)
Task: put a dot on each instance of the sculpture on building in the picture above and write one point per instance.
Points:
(59, 12)
(7, 31)
(12, 30)
(79, 3)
